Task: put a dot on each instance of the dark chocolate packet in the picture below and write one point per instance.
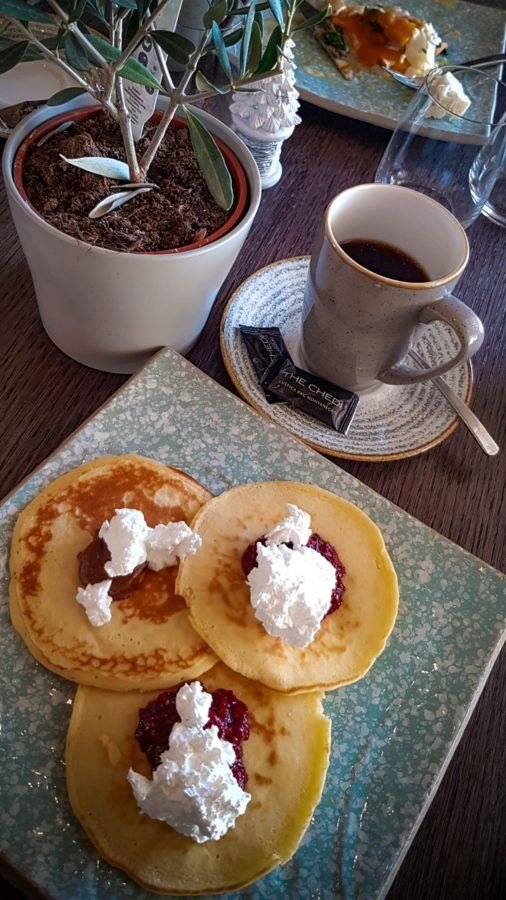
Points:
(267, 352)
(315, 396)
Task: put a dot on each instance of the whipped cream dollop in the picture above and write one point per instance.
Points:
(96, 601)
(449, 92)
(291, 589)
(165, 544)
(131, 542)
(294, 529)
(421, 50)
(125, 535)
(193, 789)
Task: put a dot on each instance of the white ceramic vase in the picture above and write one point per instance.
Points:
(112, 310)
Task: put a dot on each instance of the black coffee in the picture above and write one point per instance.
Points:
(384, 259)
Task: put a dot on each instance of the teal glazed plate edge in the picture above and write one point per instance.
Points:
(393, 732)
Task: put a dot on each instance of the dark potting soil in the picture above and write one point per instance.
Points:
(181, 212)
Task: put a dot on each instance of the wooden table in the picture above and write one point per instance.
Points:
(458, 852)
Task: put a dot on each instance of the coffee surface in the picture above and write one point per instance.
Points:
(385, 259)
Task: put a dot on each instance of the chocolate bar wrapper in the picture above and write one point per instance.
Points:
(315, 396)
(267, 352)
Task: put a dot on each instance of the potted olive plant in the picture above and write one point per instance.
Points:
(131, 221)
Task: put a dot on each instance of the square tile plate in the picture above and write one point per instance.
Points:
(393, 732)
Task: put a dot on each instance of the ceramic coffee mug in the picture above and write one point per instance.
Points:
(357, 326)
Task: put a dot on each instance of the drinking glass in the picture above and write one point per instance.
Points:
(456, 159)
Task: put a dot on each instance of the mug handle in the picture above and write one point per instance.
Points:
(466, 325)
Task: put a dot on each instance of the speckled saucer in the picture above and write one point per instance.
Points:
(391, 422)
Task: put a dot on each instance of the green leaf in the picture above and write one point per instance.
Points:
(233, 37)
(132, 26)
(203, 84)
(125, 4)
(277, 11)
(313, 20)
(211, 162)
(246, 41)
(65, 95)
(221, 52)
(76, 55)
(175, 45)
(11, 56)
(31, 53)
(133, 70)
(216, 13)
(259, 18)
(270, 54)
(110, 53)
(142, 7)
(105, 166)
(97, 8)
(77, 8)
(18, 9)
(255, 53)
(244, 12)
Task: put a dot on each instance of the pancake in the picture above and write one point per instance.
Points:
(149, 642)
(286, 758)
(215, 589)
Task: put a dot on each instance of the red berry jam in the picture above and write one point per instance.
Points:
(315, 542)
(157, 719)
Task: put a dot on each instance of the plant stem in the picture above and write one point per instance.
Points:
(125, 122)
(138, 36)
(207, 95)
(166, 76)
(76, 31)
(175, 99)
(66, 68)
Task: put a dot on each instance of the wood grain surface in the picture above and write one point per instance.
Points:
(459, 851)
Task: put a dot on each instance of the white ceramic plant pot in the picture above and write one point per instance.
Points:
(112, 310)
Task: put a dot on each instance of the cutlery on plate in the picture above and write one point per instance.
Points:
(478, 431)
(415, 83)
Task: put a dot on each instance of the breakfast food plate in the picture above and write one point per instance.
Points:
(392, 422)
(423, 687)
(470, 31)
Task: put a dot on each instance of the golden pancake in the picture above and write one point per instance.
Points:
(286, 758)
(149, 642)
(215, 589)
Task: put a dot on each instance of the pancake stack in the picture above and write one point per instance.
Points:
(193, 621)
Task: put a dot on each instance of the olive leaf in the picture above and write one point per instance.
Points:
(211, 162)
(203, 84)
(255, 53)
(277, 11)
(221, 51)
(76, 55)
(270, 54)
(65, 96)
(101, 165)
(18, 9)
(132, 70)
(76, 10)
(114, 201)
(313, 20)
(12, 55)
(246, 41)
(175, 45)
(216, 13)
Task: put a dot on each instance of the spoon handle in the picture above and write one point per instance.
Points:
(478, 431)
